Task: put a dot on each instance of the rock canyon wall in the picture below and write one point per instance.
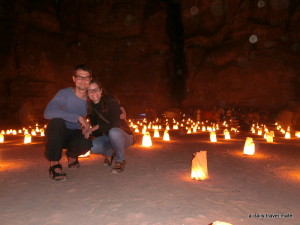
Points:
(229, 52)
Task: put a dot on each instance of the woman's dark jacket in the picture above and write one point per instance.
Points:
(112, 115)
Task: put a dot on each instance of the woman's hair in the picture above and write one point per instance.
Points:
(102, 103)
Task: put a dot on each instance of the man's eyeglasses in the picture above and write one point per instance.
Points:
(82, 78)
(90, 91)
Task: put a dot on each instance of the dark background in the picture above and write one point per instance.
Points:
(154, 55)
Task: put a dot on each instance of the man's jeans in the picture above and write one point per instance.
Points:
(58, 137)
(117, 141)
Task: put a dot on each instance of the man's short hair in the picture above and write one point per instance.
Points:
(82, 67)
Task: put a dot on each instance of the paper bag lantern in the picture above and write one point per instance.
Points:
(287, 135)
(259, 131)
(144, 130)
(156, 133)
(147, 142)
(269, 137)
(199, 166)
(297, 134)
(226, 134)
(249, 147)
(1, 138)
(85, 155)
(166, 136)
(27, 138)
(189, 130)
(220, 223)
(213, 136)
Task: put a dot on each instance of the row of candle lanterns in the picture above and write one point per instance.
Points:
(27, 132)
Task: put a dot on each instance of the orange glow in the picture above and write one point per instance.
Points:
(226, 134)
(189, 130)
(213, 136)
(259, 131)
(156, 133)
(27, 138)
(269, 137)
(199, 166)
(249, 147)
(287, 135)
(85, 155)
(147, 142)
(166, 136)
(220, 223)
(1, 138)
(144, 130)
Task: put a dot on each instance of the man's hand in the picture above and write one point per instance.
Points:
(123, 114)
(84, 123)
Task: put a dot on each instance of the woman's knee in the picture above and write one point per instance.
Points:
(115, 133)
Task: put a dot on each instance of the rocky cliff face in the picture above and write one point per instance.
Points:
(243, 53)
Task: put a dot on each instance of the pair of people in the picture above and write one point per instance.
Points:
(69, 129)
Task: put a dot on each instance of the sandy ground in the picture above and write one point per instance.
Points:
(155, 188)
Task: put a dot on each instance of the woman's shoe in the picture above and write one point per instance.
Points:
(55, 175)
(119, 167)
(108, 160)
(73, 164)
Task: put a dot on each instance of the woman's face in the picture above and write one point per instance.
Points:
(94, 93)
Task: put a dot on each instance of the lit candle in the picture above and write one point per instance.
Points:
(249, 147)
(166, 136)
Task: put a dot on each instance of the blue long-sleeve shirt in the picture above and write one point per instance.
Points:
(67, 106)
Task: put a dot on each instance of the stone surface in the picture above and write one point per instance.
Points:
(243, 53)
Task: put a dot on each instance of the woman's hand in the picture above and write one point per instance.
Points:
(86, 132)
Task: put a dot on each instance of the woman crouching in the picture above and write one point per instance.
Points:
(112, 135)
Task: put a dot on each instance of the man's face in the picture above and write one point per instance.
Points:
(82, 79)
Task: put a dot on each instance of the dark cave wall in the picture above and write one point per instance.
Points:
(226, 68)
(127, 45)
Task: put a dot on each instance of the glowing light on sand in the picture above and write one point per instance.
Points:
(269, 137)
(156, 133)
(147, 142)
(220, 223)
(27, 138)
(189, 130)
(249, 147)
(166, 136)
(85, 155)
(199, 166)
(287, 135)
(213, 136)
(226, 134)
(1, 138)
